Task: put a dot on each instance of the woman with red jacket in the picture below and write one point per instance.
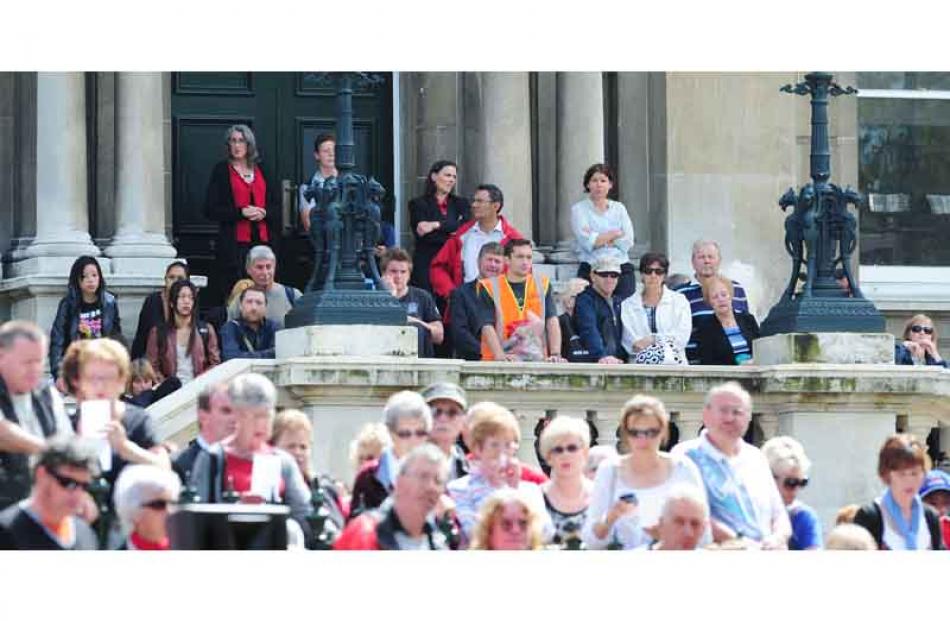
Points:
(184, 347)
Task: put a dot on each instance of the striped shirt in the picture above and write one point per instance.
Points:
(698, 308)
(740, 346)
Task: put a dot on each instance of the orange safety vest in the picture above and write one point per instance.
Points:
(507, 311)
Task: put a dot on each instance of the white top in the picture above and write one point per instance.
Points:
(185, 370)
(752, 468)
(587, 223)
(609, 486)
(23, 408)
(892, 538)
(673, 318)
(472, 242)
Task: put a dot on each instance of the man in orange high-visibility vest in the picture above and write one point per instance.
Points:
(516, 298)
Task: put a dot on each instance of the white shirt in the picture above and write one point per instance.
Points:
(752, 468)
(893, 539)
(673, 318)
(185, 370)
(23, 407)
(472, 242)
(609, 486)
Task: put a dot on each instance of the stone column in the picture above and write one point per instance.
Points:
(140, 245)
(62, 219)
(580, 141)
(506, 143)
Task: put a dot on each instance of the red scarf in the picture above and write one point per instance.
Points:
(141, 543)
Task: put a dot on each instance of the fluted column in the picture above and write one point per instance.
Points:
(62, 220)
(580, 140)
(140, 188)
(506, 143)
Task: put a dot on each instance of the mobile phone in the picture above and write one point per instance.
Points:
(630, 498)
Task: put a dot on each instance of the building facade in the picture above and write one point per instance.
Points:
(116, 164)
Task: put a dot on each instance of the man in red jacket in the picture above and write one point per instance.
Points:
(405, 520)
(457, 261)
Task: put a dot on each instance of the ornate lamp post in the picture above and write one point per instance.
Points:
(820, 235)
(344, 227)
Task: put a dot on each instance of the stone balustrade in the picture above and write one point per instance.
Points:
(841, 413)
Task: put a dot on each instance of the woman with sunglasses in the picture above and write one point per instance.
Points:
(790, 467)
(919, 346)
(409, 421)
(143, 497)
(656, 320)
(564, 445)
(629, 491)
(507, 520)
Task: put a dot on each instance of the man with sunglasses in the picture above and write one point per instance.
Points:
(47, 519)
(409, 421)
(447, 403)
(744, 501)
(597, 314)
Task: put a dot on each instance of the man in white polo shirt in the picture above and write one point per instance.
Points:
(743, 499)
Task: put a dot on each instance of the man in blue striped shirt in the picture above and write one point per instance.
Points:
(706, 259)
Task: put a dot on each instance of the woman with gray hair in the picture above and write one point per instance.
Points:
(237, 199)
(409, 420)
(143, 497)
(790, 468)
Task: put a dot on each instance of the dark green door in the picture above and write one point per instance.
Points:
(286, 111)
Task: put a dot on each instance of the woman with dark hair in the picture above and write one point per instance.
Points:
(919, 343)
(899, 519)
(155, 306)
(434, 216)
(87, 312)
(237, 200)
(726, 336)
(183, 347)
(656, 321)
(602, 228)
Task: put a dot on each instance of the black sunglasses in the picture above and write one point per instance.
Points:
(437, 412)
(405, 434)
(791, 483)
(659, 271)
(608, 274)
(919, 329)
(569, 448)
(68, 482)
(644, 433)
(159, 504)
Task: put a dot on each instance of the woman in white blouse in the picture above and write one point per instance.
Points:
(629, 491)
(602, 228)
(656, 320)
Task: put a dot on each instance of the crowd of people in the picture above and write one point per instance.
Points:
(435, 473)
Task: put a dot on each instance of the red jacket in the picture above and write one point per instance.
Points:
(445, 272)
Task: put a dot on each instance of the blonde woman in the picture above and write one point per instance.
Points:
(507, 520)
(919, 346)
(564, 445)
(629, 491)
(369, 443)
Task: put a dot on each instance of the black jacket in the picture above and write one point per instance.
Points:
(598, 324)
(467, 317)
(19, 531)
(219, 207)
(425, 209)
(65, 327)
(15, 479)
(871, 518)
(712, 344)
(151, 315)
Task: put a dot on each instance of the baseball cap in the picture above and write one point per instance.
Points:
(445, 390)
(936, 480)
(607, 265)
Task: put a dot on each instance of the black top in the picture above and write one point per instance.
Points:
(425, 209)
(140, 429)
(19, 531)
(467, 317)
(871, 518)
(419, 304)
(713, 346)
(151, 315)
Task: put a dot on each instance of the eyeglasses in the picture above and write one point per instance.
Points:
(451, 413)
(659, 271)
(613, 275)
(159, 504)
(405, 434)
(513, 526)
(792, 483)
(569, 448)
(237, 140)
(644, 433)
(69, 483)
(924, 329)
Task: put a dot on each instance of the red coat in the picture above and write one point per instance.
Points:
(359, 534)
(445, 273)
